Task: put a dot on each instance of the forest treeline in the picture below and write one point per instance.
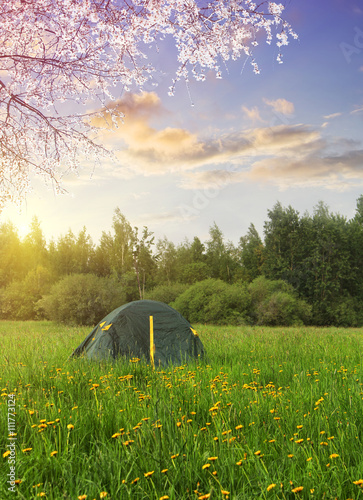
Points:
(307, 269)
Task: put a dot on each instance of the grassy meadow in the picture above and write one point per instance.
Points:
(273, 413)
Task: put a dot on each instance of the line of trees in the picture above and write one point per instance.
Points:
(307, 269)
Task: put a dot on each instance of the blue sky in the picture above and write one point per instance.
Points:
(226, 150)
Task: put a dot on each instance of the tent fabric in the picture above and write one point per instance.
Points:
(126, 332)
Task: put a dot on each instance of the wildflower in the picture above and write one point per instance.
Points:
(26, 450)
(6, 454)
(205, 466)
(224, 492)
(271, 486)
(53, 453)
(272, 440)
(17, 481)
(290, 455)
(323, 443)
(258, 452)
(299, 441)
(334, 455)
(212, 458)
(178, 424)
(117, 434)
(103, 494)
(164, 497)
(204, 497)
(148, 474)
(359, 482)
(164, 470)
(70, 427)
(297, 489)
(134, 481)
(299, 427)
(82, 497)
(238, 427)
(308, 459)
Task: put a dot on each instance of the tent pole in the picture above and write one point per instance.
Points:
(152, 346)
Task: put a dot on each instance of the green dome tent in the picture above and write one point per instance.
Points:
(143, 329)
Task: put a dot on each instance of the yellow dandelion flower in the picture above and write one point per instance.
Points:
(290, 455)
(297, 489)
(308, 459)
(82, 497)
(225, 492)
(271, 486)
(312, 490)
(299, 441)
(359, 482)
(212, 458)
(272, 441)
(323, 443)
(238, 427)
(103, 494)
(53, 453)
(299, 427)
(215, 439)
(41, 494)
(205, 466)
(148, 474)
(214, 473)
(164, 497)
(258, 452)
(178, 424)
(17, 481)
(204, 497)
(117, 434)
(134, 481)
(6, 454)
(31, 412)
(334, 455)
(174, 456)
(70, 427)
(164, 470)
(26, 450)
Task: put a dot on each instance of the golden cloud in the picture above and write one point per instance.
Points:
(282, 154)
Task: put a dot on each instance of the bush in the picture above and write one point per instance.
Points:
(214, 301)
(274, 302)
(166, 293)
(19, 299)
(82, 299)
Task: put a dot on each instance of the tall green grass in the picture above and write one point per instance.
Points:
(272, 413)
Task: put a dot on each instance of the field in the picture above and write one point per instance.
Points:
(272, 413)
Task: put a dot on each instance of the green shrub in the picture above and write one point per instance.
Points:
(166, 293)
(214, 301)
(82, 299)
(274, 302)
(18, 301)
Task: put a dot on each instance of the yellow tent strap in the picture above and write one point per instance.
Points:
(152, 346)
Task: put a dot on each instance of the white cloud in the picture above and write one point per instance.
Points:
(281, 106)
